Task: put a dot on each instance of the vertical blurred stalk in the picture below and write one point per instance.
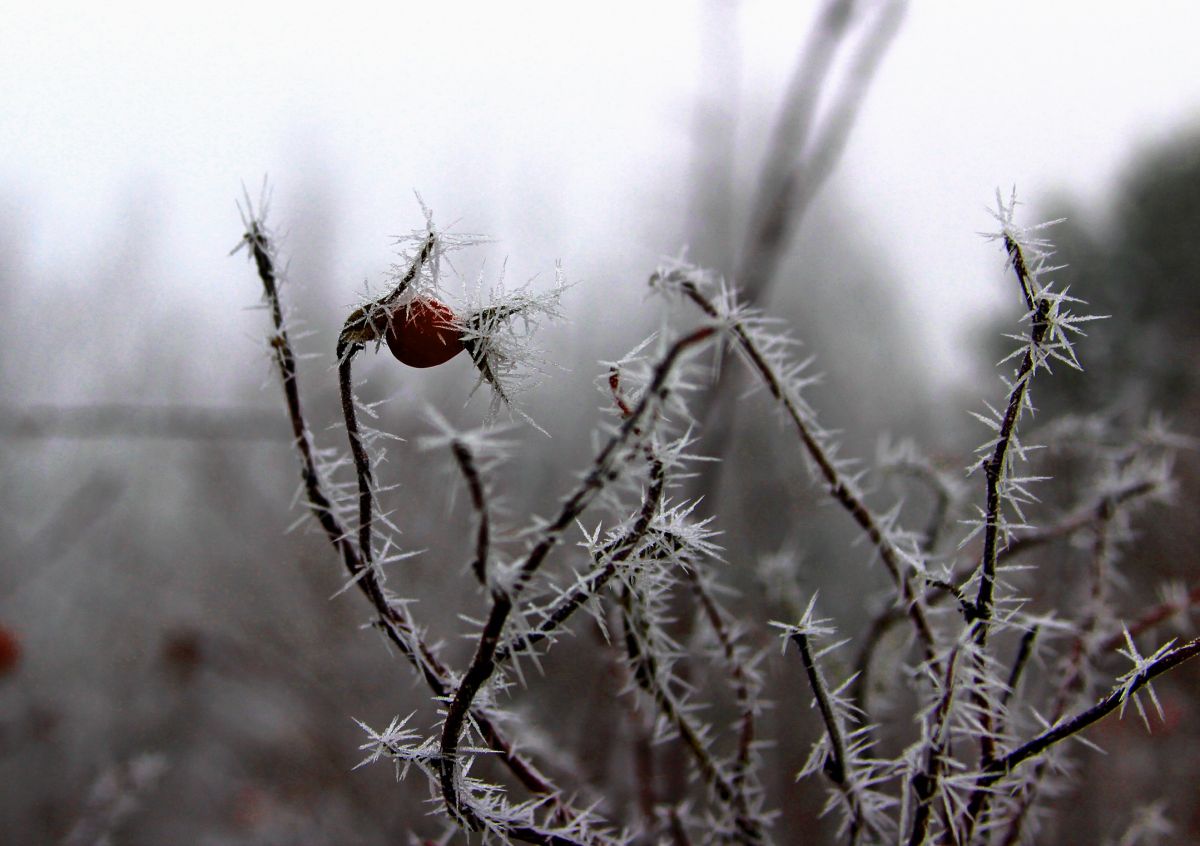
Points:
(800, 155)
(710, 243)
(814, 123)
(711, 182)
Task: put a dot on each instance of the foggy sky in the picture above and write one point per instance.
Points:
(562, 130)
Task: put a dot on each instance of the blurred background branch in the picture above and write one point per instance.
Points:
(121, 421)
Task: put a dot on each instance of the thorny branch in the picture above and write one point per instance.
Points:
(648, 674)
(604, 469)
(466, 463)
(937, 783)
(837, 762)
(839, 488)
(392, 618)
(926, 782)
(364, 325)
(740, 678)
(1115, 700)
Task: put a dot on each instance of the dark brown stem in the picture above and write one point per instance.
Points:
(1020, 662)
(365, 324)
(358, 451)
(466, 463)
(835, 766)
(994, 470)
(1005, 764)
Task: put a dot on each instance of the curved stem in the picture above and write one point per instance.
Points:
(483, 534)
(362, 462)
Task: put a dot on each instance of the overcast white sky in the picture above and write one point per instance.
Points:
(554, 127)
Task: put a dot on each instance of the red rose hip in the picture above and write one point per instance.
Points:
(423, 333)
(10, 650)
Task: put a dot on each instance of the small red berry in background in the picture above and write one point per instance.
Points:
(423, 333)
(10, 650)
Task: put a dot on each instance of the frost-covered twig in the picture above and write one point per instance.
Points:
(839, 753)
(392, 618)
(781, 379)
(1145, 671)
(466, 463)
(742, 678)
(1020, 663)
(604, 469)
(1048, 339)
(926, 782)
(360, 327)
(655, 679)
(997, 467)
(1050, 325)
(262, 251)
(608, 558)
(965, 688)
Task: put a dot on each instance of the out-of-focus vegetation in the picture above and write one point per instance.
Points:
(153, 602)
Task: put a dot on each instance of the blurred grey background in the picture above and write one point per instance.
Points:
(151, 599)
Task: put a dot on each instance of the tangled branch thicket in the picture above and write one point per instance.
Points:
(953, 736)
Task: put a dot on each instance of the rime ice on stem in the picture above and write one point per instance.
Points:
(391, 613)
(969, 760)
